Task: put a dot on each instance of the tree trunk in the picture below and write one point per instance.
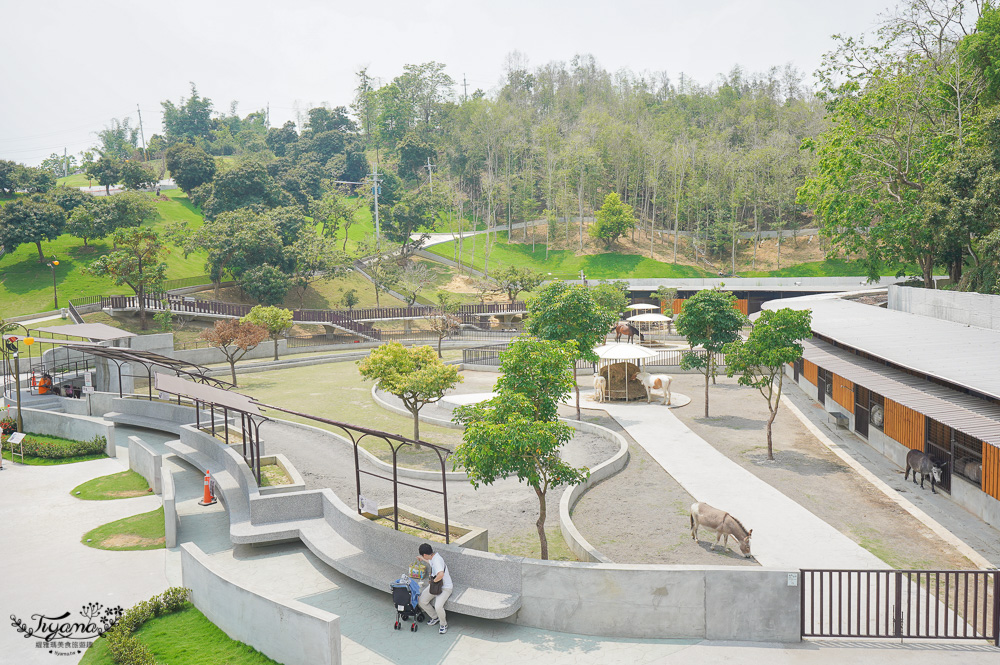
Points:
(439, 347)
(577, 386)
(770, 447)
(41, 255)
(232, 370)
(141, 297)
(275, 348)
(708, 372)
(416, 425)
(540, 524)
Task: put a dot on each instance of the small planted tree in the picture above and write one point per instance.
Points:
(666, 295)
(512, 280)
(614, 220)
(265, 284)
(760, 360)
(275, 320)
(25, 221)
(350, 299)
(415, 375)
(136, 263)
(446, 320)
(709, 320)
(314, 258)
(571, 313)
(235, 338)
(517, 433)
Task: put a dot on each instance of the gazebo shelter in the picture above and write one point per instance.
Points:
(617, 362)
(651, 321)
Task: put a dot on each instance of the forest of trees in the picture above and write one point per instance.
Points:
(893, 156)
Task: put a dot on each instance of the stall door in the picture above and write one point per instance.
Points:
(861, 399)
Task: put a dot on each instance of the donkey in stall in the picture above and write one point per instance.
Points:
(723, 524)
(921, 462)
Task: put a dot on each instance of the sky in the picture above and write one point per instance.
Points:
(71, 66)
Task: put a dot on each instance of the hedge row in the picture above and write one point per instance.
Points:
(125, 649)
(33, 447)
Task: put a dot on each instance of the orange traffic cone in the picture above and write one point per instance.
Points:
(209, 498)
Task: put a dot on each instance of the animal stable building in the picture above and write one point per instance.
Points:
(922, 373)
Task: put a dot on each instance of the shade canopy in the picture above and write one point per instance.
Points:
(97, 332)
(622, 351)
(649, 318)
(643, 305)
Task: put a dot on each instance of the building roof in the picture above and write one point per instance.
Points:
(968, 414)
(963, 355)
(97, 332)
(766, 284)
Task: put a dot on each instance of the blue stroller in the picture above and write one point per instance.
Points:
(405, 596)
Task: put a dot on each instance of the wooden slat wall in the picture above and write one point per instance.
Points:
(809, 370)
(741, 305)
(904, 425)
(843, 393)
(991, 470)
(678, 305)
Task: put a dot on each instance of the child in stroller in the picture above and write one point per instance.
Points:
(405, 596)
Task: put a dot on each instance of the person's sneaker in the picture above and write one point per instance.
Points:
(443, 629)
(433, 621)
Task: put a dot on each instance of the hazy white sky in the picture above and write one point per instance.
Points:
(70, 66)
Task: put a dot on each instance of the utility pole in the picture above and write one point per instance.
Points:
(145, 157)
(465, 88)
(267, 115)
(65, 163)
(375, 190)
(430, 173)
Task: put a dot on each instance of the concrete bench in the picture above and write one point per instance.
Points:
(144, 422)
(486, 585)
(841, 420)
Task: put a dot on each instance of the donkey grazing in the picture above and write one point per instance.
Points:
(651, 382)
(922, 463)
(723, 524)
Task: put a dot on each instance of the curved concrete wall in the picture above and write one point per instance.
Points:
(69, 426)
(288, 631)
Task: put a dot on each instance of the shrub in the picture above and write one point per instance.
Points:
(61, 449)
(125, 649)
(8, 425)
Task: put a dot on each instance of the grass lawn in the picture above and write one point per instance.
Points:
(122, 485)
(327, 294)
(565, 264)
(336, 391)
(184, 637)
(526, 544)
(26, 284)
(48, 461)
(272, 475)
(829, 268)
(145, 531)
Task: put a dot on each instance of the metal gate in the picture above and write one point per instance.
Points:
(925, 604)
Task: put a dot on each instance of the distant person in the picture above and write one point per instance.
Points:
(157, 190)
(439, 574)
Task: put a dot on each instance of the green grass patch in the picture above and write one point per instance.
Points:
(145, 531)
(185, 637)
(526, 544)
(561, 263)
(26, 284)
(45, 450)
(829, 268)
(272, 475)
(122, 485)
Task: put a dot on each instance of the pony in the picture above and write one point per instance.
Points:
(921, 462)
(971, 469)
(600, 384)
(625, 328)
(651, 382)
(723, 524)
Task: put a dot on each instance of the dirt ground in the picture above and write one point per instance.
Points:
(806, 471)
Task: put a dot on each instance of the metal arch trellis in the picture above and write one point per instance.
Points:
(356, 433)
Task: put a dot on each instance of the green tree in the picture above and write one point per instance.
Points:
(275, 320)
(614, 220)
(314, 258)
(710, 320)
(8, 176)
(570, 313)
(124, 210)
(189, 120)
(189, 166)
(135, 263)
(265, 284)
(774, 341)
(415, 375)
(234, 338)
(612, 296)
(26, 221)
(517, 433)
(118, 140)
(350, 299)
(513, 280)
(106, 171)
(244, 185)
(666, 295)
(416, 211)
(85, 224)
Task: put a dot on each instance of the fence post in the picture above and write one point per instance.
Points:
(996, 608)
(897, 613)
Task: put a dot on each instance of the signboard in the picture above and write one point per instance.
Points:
(88, 380)
(16, 437)
(367, 505)
(88, 389)
(793, 579)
